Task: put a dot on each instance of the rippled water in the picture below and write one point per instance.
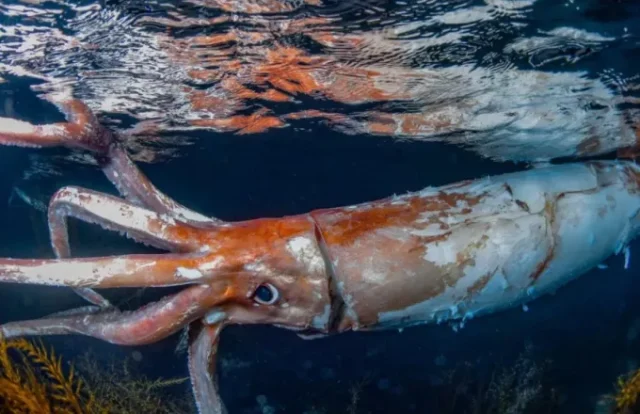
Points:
(520, 80)
(490, 74)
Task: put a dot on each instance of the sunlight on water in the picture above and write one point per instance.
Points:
(477, 74)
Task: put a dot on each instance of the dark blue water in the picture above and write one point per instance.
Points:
(586, 333)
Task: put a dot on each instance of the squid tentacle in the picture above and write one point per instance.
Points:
(146, 325)
(85, 132)
(105, 272)
(81, 131)
(134, 185)
(203, 349)
(112, 213)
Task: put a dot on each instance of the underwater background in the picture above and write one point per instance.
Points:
(564, 351)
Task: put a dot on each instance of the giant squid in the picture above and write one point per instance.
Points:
(446, 253)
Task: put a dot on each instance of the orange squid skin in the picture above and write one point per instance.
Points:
(476, 247)
(443, 254)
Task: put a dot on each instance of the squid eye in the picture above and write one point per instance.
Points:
(266, 294)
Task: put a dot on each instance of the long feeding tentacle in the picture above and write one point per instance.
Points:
(203, 348)
(136, 187)
(103, 272)
(111, 213)
(82, 131)
(24, 134)
(143, 326)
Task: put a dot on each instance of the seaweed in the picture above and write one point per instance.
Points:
(627, 392)
(34, 380)
(126, 391)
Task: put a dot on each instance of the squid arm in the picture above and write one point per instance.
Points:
(203, 349)
(140, 327)
(82, 130)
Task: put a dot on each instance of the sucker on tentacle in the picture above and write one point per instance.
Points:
(446, 254)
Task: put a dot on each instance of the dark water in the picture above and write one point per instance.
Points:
(588, 330)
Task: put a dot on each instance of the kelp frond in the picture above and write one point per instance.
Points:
(628, 390)
(33, 380)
